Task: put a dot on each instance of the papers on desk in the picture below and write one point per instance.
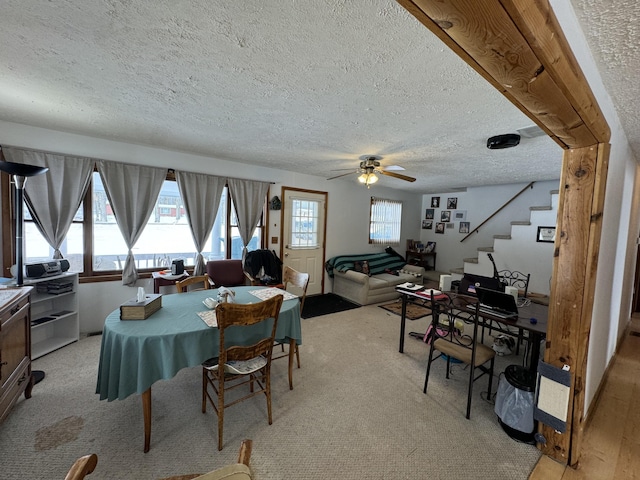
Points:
(410, 287)
(266, 293)
(209, 317)
(437, 294)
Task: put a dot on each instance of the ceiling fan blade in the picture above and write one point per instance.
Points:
(397, 175)
(393, 168)
(342, 175)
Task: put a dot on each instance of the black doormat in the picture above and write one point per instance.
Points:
(326, 304)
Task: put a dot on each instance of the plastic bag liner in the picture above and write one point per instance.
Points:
(515, 400)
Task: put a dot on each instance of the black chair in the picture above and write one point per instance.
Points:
(516, 279)
(447, 338)
(520, 280)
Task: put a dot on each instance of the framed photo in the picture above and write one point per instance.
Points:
(435, 202)
(429, 214)
(459, 215)
(450, 225)
(427, 224)
(431, 246)
(439, 227)
(546, 234)
(445, 216)
(452, 203)
(464, 227)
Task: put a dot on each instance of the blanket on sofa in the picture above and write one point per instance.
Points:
(378, 262)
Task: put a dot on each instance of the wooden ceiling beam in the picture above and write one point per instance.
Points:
(499, 42)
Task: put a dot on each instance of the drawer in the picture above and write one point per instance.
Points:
(10, 309)
(12, 390)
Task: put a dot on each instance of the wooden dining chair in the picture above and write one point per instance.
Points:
(238, 365)
(203, 280)
(235, 471)
(299, 281)
(82, 467)
(449, 316)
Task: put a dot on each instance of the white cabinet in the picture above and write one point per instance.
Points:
(54, 313)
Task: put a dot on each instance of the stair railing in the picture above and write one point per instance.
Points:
(475, 230)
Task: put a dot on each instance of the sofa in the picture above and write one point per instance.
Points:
(386, 270)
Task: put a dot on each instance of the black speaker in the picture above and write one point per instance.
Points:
(64, 265)
(34, 270)
(503, 141)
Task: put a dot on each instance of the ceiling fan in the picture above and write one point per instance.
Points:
(369, 166)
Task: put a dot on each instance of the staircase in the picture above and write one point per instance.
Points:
(519, 250)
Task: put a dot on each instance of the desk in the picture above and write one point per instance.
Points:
(136, 353)
(166, 280)
(536, 332)
(421, 258)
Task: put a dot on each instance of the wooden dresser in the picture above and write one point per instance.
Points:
(15, 347)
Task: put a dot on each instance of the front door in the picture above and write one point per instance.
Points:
(303, 234)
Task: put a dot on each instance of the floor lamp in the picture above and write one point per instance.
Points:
(20, 172)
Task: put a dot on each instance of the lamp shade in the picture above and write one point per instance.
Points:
(21, 169)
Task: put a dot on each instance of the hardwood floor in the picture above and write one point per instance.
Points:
(611, 446)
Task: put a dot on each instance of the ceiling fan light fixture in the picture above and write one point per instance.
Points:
(368, 179)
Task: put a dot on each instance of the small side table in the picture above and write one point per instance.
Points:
(160, 280)
(422, 259)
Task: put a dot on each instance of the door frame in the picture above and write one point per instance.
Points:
(284, 190)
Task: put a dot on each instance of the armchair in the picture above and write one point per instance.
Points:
(226, 273)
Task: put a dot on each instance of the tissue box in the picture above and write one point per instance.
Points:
(135, 310)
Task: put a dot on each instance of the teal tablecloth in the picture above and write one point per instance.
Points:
(137, 353)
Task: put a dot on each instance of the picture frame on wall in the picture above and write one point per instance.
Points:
(445, 216)
(427, 224)
(459, 215)
(546, 234)
(452, 203)
(435, 202)
(429, 214)
(440, 227)
(464, 227)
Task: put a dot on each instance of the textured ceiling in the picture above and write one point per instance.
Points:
(302, 86)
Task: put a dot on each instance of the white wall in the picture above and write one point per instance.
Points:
(620, 223)
(481, 202)
(347, 215)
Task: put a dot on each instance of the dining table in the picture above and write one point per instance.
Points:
(134, 354)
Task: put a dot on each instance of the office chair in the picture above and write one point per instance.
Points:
(449, 342)
(299, 281)
(238, 365)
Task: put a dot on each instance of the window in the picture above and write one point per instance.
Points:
(167, 235)
(385, 221)
(304, 223)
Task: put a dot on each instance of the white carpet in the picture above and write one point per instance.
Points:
(357, 411)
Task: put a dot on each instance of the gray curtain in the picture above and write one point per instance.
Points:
(54, 197)
(201, 196)
(248, 198)
(132, 191)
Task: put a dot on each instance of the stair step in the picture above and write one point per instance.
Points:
(502, 237)
(458, 271)
(470, 260)
(485, 249)
(539, 208)
(521, 223)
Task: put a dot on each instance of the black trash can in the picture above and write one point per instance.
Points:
(514, 403)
